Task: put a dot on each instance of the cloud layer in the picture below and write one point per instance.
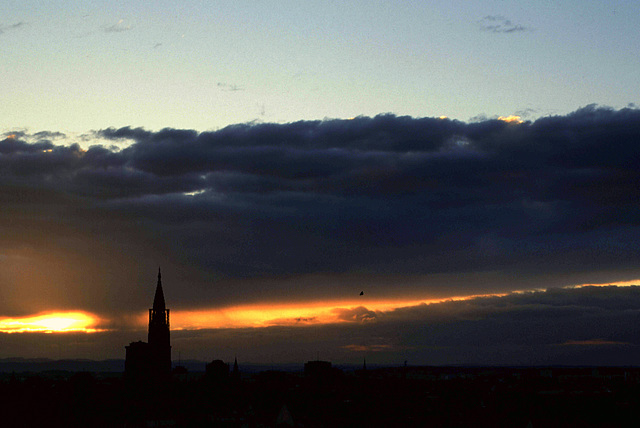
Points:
(371, 197)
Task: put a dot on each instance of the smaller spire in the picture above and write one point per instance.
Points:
(235, 375)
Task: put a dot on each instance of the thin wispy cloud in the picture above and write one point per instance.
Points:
(118, 27)
(526, 112)
(15, 26)
(500, 24)
(593, 342)
(229, 87)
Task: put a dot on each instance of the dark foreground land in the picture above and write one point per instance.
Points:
(405, 396)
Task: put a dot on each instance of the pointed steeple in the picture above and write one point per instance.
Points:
(235, 374)
(159, 332)
(158, 300)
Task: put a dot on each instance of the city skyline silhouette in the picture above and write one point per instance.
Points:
(153, 391)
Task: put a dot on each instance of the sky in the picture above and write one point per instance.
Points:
(433, 182)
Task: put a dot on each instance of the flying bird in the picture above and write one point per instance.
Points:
(362, 293)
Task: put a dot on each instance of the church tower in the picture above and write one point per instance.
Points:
(159, 336)
(151, 361)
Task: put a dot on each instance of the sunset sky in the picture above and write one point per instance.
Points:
(468, 166)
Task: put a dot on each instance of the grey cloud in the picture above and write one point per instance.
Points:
(13, 26)
(593, 342)
(16, 146)
(48, 135)
(359, 315)
(526, 112)
(500, 24)
(229, 87)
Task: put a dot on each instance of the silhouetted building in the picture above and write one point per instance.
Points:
(217, 371)
(320, 375)
(180, 373)
(152, 360)
(136, 364)
(317, 368)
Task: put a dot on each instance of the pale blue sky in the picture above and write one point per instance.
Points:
(76, 66)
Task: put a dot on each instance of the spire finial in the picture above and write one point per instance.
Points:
(158, 301)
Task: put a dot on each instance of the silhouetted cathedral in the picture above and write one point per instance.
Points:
(152, 360)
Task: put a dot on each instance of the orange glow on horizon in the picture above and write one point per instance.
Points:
(606, 284)
(51, 322)
(311, 313)
(292, 314)
(249, 316)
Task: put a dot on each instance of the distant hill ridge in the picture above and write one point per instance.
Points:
(37, 365)
(19, 365)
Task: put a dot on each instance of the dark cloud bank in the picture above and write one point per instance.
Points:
(583, 326)
(232, 213)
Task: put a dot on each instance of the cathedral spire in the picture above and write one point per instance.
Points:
(158, 300)
(159, 330)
